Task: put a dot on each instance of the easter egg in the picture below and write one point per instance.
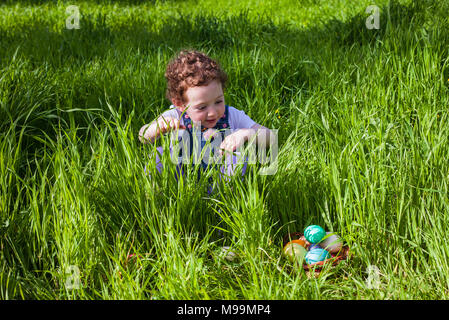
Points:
(300, 242)
(294, 251)
(314, 233)
(317, 255)
(315, 246)
(331, 242)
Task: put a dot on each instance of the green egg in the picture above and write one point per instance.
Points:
(314, 233)
(294, 251)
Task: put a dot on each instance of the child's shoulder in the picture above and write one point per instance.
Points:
(171, 112)
(235, 112)
(238, 119)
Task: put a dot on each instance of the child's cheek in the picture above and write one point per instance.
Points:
(202, 116)
(198, 117)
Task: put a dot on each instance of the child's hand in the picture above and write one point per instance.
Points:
(149, 133)
(167, 124)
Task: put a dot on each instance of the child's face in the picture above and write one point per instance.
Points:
(205, 104)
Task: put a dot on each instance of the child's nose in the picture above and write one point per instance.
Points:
(212, 113)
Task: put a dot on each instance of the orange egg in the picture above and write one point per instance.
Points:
(300, 242)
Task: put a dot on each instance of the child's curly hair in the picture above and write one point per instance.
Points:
(190, 69)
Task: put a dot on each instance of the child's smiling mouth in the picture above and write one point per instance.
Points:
(209, 122)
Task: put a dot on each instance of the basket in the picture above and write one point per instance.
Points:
(343, 254)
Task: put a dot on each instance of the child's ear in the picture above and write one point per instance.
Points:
(178, 104)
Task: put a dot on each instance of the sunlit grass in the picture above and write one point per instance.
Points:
(363, 135)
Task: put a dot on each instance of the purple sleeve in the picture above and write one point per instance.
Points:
(172, 113)
(238, 119)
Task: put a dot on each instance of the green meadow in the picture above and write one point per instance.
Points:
(363, 128)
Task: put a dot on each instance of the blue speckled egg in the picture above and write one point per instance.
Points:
(315, 246)
(314, 233)
(317, 255)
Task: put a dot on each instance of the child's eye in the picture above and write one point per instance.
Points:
(202, 108)
(218, 102)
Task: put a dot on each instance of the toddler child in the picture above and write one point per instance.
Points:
(195, 85)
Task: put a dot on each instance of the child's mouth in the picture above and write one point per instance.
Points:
(209, 122)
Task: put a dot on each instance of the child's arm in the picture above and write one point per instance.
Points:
(257, 133)
(150, 132)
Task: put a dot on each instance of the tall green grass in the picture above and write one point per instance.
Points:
(363, 135)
